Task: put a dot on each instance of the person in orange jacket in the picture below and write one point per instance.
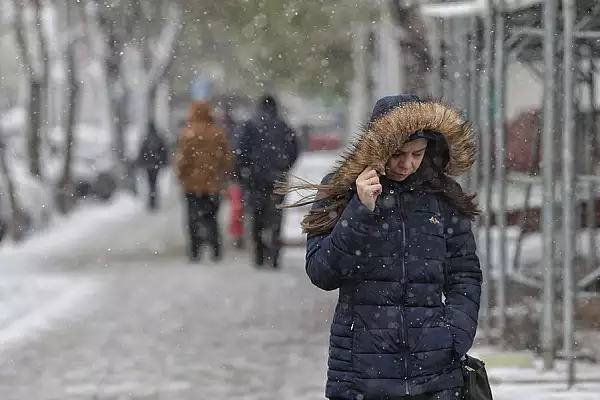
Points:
(204, 163)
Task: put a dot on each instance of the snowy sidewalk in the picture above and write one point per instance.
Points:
(97, 234)
(183, 331)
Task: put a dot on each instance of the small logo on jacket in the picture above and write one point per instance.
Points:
(434, 220)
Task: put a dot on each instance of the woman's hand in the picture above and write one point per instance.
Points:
(368, 187)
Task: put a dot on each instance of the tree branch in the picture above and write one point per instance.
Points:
(19, 27)
(40, 63)
(165, 47)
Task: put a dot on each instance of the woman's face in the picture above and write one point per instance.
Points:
(406, 161)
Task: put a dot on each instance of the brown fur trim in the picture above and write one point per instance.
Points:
(378, 143)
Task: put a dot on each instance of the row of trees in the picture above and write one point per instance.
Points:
(118, 40)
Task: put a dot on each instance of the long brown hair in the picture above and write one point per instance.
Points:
(328, 202)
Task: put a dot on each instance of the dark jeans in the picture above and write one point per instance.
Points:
(449, 394)
(152, 188)
(203, 224)
(266, 221)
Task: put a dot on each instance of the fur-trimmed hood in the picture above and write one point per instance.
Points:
(384, 136)
(393, 121)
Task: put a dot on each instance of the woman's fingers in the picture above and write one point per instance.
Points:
(377, 189)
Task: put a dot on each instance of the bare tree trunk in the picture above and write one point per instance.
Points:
(14, 224)
(162, 58)
(37, 79)
(42, 77)
(34, 137)
(66, 190)
(107, 41)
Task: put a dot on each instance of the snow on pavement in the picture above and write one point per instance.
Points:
(184, 332)
(30, 303)
(546, 392)
(95, 234)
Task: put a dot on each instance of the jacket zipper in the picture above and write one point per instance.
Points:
(402, 322)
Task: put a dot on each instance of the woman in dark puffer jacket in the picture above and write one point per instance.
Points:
(391, 230)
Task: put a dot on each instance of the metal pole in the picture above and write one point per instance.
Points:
(568, 190)
(462, 55)
(448, 33)
(547, 326)
(589, 154)
(474, 96)
(500, 142)
(359, 97)
(486, 157)
(436, 57)
(460, 48)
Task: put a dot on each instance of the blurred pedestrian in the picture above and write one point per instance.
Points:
(268, 149)
(203, 161)
(153, 156)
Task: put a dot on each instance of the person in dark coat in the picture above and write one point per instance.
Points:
(268, 149)
(153, 157)
(391, 230)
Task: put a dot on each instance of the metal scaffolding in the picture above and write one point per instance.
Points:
(557, 40)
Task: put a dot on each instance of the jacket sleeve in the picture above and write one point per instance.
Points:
(463, 280)
(334, 257)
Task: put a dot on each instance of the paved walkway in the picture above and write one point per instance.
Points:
(179, 331)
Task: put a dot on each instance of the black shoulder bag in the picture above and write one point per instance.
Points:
(477, 384)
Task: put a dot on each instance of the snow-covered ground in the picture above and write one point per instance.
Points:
(92, 227)
(47, 277)
(30, 303)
